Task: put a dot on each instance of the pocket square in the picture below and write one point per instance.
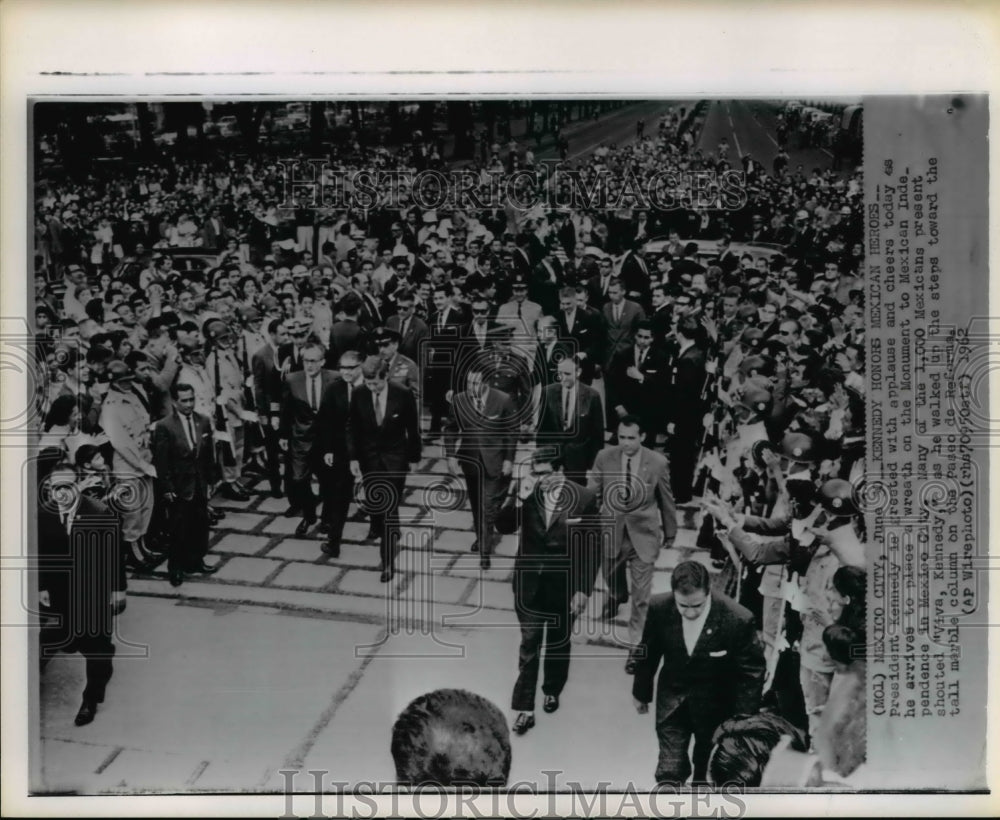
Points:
(721, 653)
(573, 520)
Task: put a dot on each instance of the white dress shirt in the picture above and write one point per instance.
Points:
(693, 627)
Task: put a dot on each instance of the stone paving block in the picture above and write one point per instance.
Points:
(76, 763)
(240, 543)
(492, 594)
(467, 566)
(435, 589)
(423, 480)
(229, 504)
(356, 531)
(365, 555)
(410, 512)
(242, 521)
(297, 549)
(668, 559)
(366, 582)
(270, 504)
(286, 526)
(250, 570)
(686, 538)
(297, 574)
(454, 541)
(460, 519)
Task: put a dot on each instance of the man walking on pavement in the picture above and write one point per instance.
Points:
(633, 484)
(557, 560)
(571, 419)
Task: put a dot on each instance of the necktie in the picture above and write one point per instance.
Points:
(566, 417)
(378, 409)
(312, 394)
(642, 357)
(190, 432)
(479, 404)
(402, 328)
(604, 286)
(519, 315)
(628, 479)
(618, 313)
(350, 390)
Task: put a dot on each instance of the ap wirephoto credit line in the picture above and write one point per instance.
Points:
(532, 445)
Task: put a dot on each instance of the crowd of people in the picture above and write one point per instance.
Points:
(196, 338)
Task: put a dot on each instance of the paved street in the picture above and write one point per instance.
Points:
(287, 658)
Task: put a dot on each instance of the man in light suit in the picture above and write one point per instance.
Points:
(481, 436)
(184, 457)
(634, 486)
(383, 440)
(713, 670)
(557, 560)
(571, 419)
(301, 398)
(521, 315)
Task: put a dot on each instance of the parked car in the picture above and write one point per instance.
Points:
(708, 249)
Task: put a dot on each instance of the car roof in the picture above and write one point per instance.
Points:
(708, 247)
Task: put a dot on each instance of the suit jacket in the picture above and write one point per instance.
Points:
(490, 436)
(620, 333)
(649, 515)
(389, 447)
(416, 332)
(266, 381)
(635, 277)
(331, 423)
(646, 398)
(597, 295)
(546, 363)
(583, 441)
(345, 335)
(181, 470)
(80, 569)
(587, 336)
(214, 235)
(288, 352)
(371, 315)
(298, 418)
(686, 408)
(568, 548)
(544, 283)
(721, 678)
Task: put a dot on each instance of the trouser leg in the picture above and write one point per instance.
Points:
(673, 733)
(528, 661)
(99, 652)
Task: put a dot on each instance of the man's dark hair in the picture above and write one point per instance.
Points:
(548, 455)
(351, 304)
(180, 387)
(743, 746)
(375, 367)
(630, 420)
(690, 576)
(843, 643)
(451, 737)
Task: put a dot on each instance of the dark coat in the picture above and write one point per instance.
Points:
(722, 678)
(392, 446)
(298, 419)
(570, 545)
(180, 470)
(490, 437)
(580, 444)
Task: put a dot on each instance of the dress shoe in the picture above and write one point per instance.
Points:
(86, 714)
(357, 515)
(323, 527)
(630, 666)
(276, 491)
(176, 577)
(524, 721)
(304, 526)
(373, 535)
(204, 569)
(475, 546)
(234, 493)
(216, 514)
(331, 549)
(387, 575)
(551, 703)
(484, 562)
(292, 511)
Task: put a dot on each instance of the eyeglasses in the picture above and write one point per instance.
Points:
(480, 312)
(312, 361)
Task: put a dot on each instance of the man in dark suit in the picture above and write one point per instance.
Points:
(621, 317)
(583, 328)
(545, 280)
(481, 436)
(347, 334)
(301, 399)
(446, 328)
(571, 420)
(636, 384)
(267, 398)
(598, 286)
(331, 424)
(183, 454)
(549, 352)
(713, 669)
(290, 353)
(383, 440)
(685, 408)
(727, 259)
(412, 329)
(81, 581)
(634, 274)
(554, 572)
